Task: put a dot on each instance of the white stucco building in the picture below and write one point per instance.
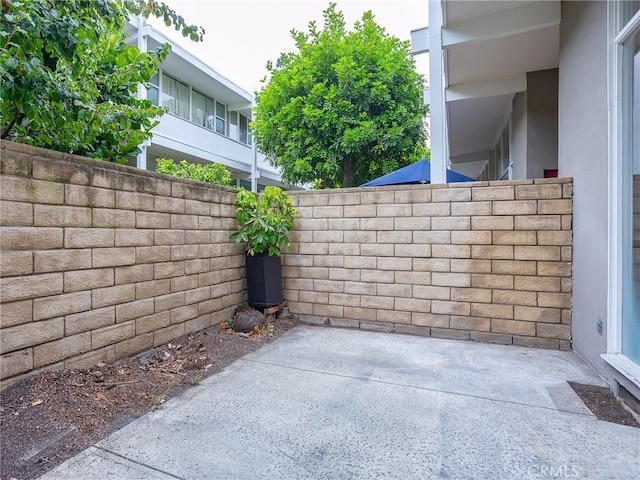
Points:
(208, 117)
(522, 89)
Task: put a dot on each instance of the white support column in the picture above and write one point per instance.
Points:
(141, 158)
(142, 46)
(437, 111)
(254, 168)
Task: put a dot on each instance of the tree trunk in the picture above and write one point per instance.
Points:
(7, 130)
(347, 180)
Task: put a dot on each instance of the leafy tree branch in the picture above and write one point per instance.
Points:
(69, 79)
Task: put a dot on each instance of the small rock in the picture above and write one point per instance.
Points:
(243, 335)
(101, 365)
(245, 320)
(99, 377)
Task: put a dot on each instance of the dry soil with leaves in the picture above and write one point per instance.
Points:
(49, 417)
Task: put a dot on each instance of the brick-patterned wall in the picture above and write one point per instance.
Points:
(101, 261)
(488, 261)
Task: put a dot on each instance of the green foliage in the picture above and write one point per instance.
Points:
(211, 172)
(264, 221)
(346, 108)
(69, 79)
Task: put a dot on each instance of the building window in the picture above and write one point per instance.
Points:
(221, 114)
(175, 96)
(182, 100)
(244, 129)
(233, 125)
(203, 111)
(153, 89)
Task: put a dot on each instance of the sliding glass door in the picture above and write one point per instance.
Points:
(624, 334)
(631, 215)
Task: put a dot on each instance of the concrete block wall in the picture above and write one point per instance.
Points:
(488, 261)
(101, 261)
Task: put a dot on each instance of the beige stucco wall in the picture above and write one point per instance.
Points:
(534, 125)
(583, 154)
(542, 122)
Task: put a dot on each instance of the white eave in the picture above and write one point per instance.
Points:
(488, 48)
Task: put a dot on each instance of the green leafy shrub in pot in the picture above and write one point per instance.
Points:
(264, 221)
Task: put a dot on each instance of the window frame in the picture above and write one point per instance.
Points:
(206, 119)
(222, 119)
(233, 126)
(189, 101)
(620, 182)
(243, 133)
(151, 85)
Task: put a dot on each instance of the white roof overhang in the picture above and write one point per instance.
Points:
(189, 69)
(489, 46)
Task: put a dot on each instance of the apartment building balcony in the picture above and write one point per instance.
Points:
(208, 115)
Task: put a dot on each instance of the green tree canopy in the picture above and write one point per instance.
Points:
(345, 108)
(69, 79)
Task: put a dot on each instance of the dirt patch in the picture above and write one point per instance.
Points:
(49, 417)
(604, 405)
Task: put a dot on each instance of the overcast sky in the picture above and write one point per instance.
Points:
(242, 35)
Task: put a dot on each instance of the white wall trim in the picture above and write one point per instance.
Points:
(625, 366)
(629, 29)
(614, 293)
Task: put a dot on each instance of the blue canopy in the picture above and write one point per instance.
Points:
(419, 172)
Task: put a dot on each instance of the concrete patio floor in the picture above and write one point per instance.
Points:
(328, 403)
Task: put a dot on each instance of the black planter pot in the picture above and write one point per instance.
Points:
(264, 280)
